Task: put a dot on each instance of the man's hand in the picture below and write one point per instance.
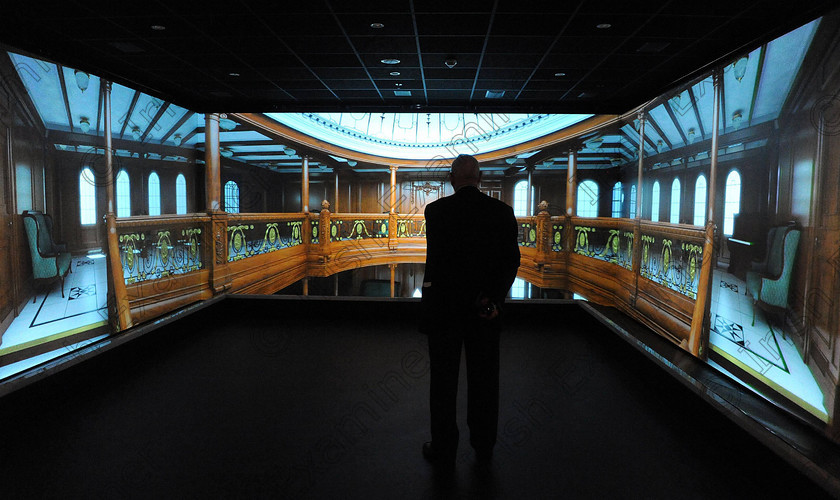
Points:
(487, 309)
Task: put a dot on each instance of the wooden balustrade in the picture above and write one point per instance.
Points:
(650, 271)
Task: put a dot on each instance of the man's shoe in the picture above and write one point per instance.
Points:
(436, 456)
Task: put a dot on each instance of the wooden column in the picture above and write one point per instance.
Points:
(119, 309)
(305, 286)
(393, 277)
(335, 201)
(218, 258)
(392, 216)
(304, 186)
(637, 223)
(529, 211)
(571, 184)
(212, 163)
(698, 338)
(571, 192)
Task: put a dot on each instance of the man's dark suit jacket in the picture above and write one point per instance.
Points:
(472, 252)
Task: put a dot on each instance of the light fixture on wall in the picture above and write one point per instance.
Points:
(82, 80)
(736, 119)
(226, 123)
(740, 68)
(136, 133)
(84, 124)
(177, 139)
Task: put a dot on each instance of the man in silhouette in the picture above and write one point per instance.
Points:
(471, 261)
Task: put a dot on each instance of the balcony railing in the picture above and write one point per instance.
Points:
(649, 270)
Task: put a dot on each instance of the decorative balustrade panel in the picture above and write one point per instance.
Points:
(151, 253)
(247, 238)
(316, 236)
(527, 233)
(556, 236)
(602, 243)
(358, 228)
(672, 262)
(414, 227)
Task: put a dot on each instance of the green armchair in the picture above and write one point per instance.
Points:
(770, 290)
(48, 261)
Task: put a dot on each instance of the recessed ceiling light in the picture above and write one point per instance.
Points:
(559, 74)
(603, 26)
(389, 60)
(377, 25)
(158, 27)
(394, 73)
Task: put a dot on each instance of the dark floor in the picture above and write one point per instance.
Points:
(308, 399)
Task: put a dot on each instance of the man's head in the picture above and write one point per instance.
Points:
(464, 172)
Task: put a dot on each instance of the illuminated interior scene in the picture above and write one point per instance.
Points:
(168, 180)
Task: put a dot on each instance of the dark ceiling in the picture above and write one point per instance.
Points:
(263, 56)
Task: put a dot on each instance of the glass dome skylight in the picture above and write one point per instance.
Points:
(416, 136)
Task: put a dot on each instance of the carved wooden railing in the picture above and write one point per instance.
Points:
(163, 263)
(651, 271)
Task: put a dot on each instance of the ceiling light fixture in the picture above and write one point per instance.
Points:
(389, 60)
(135, 132)
(450, 63)
(232, 73)
(289, 151)
(691, 134)
(594, 143)
(157, 27)
(377, 26)
(560, 74)
(510, 161)
(736, 119)
(82, 80)
(226, 123)
(394, 73)
(352, 163)
(398, 84)
(603, 26)
(177, 139)
(227, 153)
(740, 68)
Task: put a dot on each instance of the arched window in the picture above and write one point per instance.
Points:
(154, 194)
(633, 201)
(231, 197)
(587, 199)
(87, 197)
(654, 202)
(617, 199)
(675, 201)
(700, 201)
(123, 194)
(520, 199)
(23, 188)
(731, 201)
(180, 194)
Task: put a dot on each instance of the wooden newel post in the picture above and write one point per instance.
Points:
(324, 231)
(119, 308)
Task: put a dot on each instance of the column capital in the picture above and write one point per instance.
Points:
(393, 168)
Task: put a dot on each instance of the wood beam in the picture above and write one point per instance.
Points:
(187, 115)
(155, 119)
(675, 122)
(659, 131)
(61, 81)
(129, 112)
(696, 112)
